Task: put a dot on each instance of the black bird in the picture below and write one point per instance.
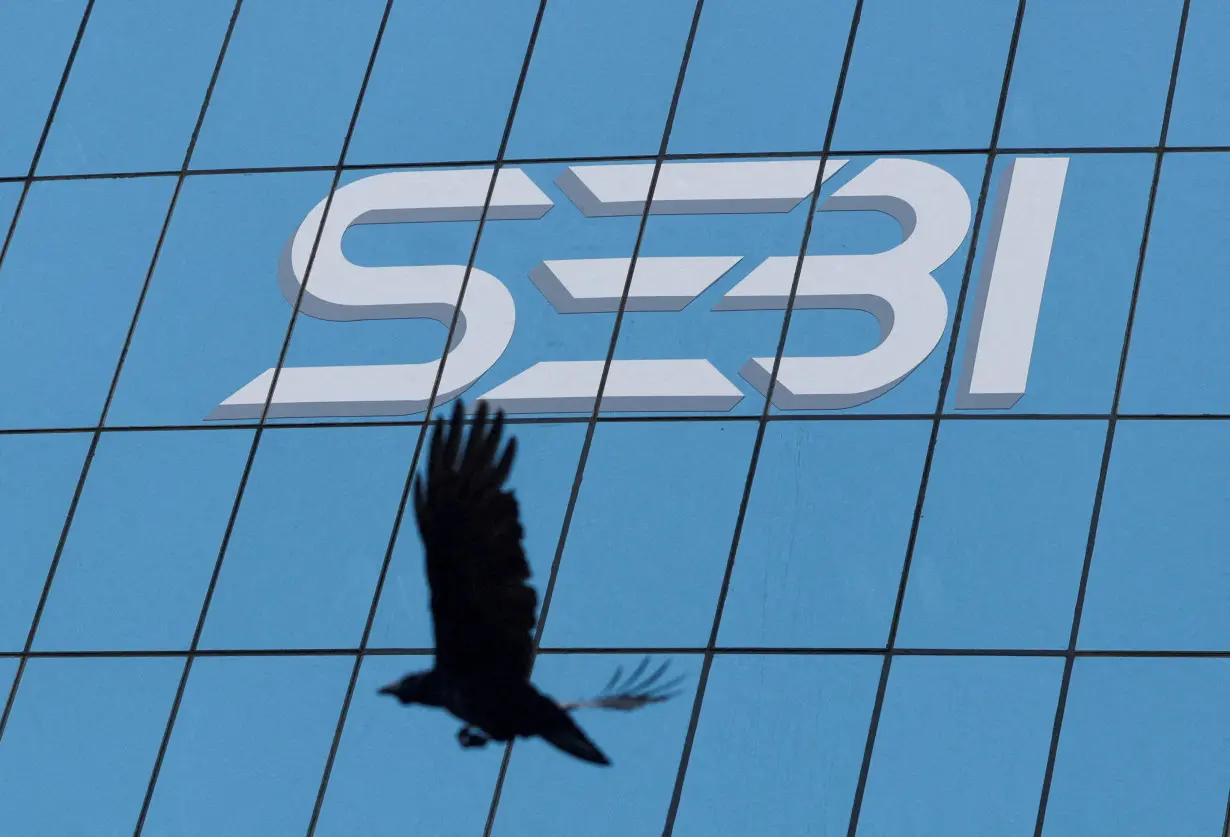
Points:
(482, 608)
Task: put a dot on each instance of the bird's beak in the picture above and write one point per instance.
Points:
(390, 689)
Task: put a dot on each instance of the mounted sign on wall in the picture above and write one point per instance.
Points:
(895, 286)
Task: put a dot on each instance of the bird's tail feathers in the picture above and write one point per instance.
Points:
(633, 694)
(567, 736)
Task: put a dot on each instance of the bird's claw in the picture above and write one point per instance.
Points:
(469, 738)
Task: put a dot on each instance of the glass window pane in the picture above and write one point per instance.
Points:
(35, 39)
(423, 102)
(400, 770)
(144, 541)
(137, 86)
(1199, 116)
(1087, 74)
(602, 79)
(287, 88)
(779, 745)
(10, 193)
(826, 532)
(8, 670)
(81, 742)
(1088, 285)
(761, 77)
(1158, 578)
(542, 477)
(985, 574)
(962, 745)
(214, 317)
(547, 792)
(249, 746)
(643, 567)
(37, 482)
(1179, 335)
(925, 75)
(1143, 749)
(68, 292)
(312, 532)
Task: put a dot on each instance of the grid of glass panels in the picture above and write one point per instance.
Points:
(900, 618)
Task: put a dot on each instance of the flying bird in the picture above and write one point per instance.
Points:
(483, 609)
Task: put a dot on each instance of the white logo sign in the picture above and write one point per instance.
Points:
(896, 286)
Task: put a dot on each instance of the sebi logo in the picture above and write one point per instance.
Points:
(896, 286)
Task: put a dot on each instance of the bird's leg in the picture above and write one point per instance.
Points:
(469, 737)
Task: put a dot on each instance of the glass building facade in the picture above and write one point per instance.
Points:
(938, 537)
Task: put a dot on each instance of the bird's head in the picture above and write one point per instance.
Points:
(418, 687)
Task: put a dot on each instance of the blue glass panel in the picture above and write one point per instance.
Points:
(1080, 328)
(726, 339)
(81, 743)
(1143, 749)
(214, 317)
(249, 746)
(400, 770)
(424, 102)
(287, 89)
(10, 193)
(68, 292)
(651, 534)
(311, 536)
(37, 481)
(137, 86)
(925, 75)
(761, 77)
(985, 574)
(962, 745)
(8, 670)
(1199, 116)
(542, 477)
(779, 745)
(144, 541)
(1158, 578)
(35, 39)
(510, 250)
(835, 332)
(1089, 74)
(602, 79)
(1179, 335)
(826, 532)
(548, 792)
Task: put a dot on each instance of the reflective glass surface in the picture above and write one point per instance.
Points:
(866, 362)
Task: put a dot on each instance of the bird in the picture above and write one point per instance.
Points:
(483, 609)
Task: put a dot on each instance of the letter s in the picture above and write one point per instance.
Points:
(342, 291)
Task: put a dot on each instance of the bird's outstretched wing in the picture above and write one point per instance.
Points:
(481, 606)
(631, 694)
